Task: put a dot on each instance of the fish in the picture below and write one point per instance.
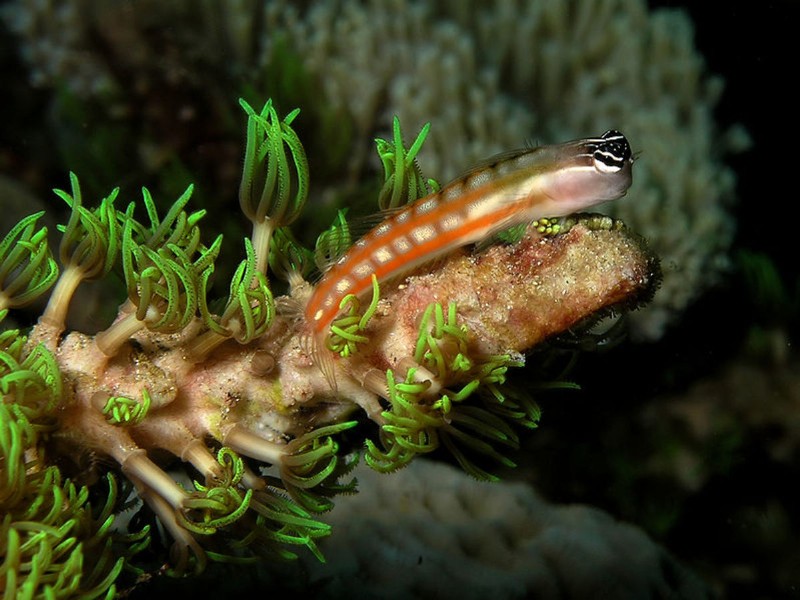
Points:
(507, 190)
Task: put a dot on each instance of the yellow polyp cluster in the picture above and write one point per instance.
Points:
(547, 226)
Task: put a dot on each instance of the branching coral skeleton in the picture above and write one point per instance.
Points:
(229, 393)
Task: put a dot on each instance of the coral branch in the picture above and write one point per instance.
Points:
(137, 465)
(423, 360)
(514, 297)
(250, 444)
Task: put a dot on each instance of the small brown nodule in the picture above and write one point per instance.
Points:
(262, 363)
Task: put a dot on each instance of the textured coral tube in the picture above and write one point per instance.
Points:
(514, 297)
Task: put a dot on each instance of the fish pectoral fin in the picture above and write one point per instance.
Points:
(321, 357)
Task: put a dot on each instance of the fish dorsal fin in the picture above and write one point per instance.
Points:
(333, 243)
(490, 163)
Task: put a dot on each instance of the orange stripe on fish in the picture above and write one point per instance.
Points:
(512, 188)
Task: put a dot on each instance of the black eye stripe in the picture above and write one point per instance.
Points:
(611, 149)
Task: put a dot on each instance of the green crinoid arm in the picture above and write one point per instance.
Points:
(288, 258)
(333, 243)
(166, 268)
(88, 250)
(274, 185)
(247, 315)
(218, 503)
(30, 380)
(403, 180)
(177, 227)
(27, 267)
(281, 521)
(347, 331)
(455, 398)
(312, 466)
(54, 545)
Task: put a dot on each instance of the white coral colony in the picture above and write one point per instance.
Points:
(559, 70)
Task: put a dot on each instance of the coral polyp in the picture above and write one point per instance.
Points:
(230, 390)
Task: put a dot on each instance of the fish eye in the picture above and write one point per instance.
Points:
(611, 152)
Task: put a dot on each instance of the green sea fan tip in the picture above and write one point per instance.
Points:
(519, 407)
(163, 282)
(16, 435)
(42, 362)
(434, 326)
(403, 180)
(513, 234)
(27, 267)
(270, 188)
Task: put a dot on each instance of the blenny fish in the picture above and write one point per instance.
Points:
(507, 190)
